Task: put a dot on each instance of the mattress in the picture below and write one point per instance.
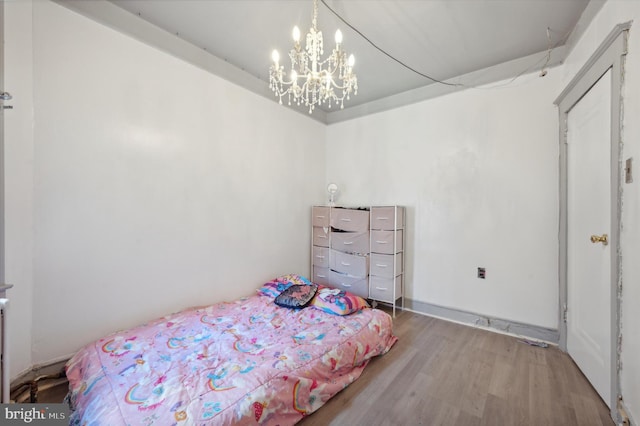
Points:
(243, 362)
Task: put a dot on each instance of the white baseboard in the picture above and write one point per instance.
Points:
(513, 328)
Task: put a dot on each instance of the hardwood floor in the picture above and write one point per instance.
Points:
(442, 373)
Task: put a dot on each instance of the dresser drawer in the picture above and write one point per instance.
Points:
(320, 216)
(320, 236)
(351, 264)
(385, 218)
(356, 285)
(382, 241)
(350, 242)
(350, 219)
(320, 256)
(382, 288)
(321, 275)
(382, 264)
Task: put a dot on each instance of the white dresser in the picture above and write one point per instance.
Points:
(361, 250)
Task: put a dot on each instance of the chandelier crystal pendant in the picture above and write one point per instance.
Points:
(314, 81)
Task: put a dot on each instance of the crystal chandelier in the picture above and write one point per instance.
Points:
(314, 81)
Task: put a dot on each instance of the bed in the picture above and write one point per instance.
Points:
(244, 362)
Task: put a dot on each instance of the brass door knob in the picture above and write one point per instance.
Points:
(604, 239)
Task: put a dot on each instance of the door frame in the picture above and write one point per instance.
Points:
(609, 55)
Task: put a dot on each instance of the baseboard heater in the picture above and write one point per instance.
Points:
(4, 354)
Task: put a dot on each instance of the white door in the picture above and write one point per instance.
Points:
(589, 262)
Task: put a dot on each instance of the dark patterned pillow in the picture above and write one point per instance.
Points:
(297, 296)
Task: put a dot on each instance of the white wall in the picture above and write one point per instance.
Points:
(616, 12)
(156, 185)
(478, 171)
(18, 140)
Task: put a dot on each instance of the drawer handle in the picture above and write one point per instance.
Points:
(382, 218)
(345, 219)
(348, 243)
(345, 285)
(320, 217)
(380, 265)
(322, 236)
(345, 264)
(382, 242)
(381, 288)
(320, 276)
(319, 257)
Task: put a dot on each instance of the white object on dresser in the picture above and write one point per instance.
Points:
(360, 250)
(332, 189)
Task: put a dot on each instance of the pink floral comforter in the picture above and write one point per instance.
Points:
(246, 362)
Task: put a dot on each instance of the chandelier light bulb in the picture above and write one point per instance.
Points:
(352, 60)
(294, 75)
(296, 34)
(338, 37)
(275, 56)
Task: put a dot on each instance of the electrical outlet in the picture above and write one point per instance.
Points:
(482, 273)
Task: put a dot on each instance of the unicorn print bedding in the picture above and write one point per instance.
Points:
(244, 362)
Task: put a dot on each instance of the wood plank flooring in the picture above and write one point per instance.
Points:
(442, 373)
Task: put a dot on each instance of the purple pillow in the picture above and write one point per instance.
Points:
(338, 302)
(279, 284)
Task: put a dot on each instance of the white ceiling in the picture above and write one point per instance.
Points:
(462, 41)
